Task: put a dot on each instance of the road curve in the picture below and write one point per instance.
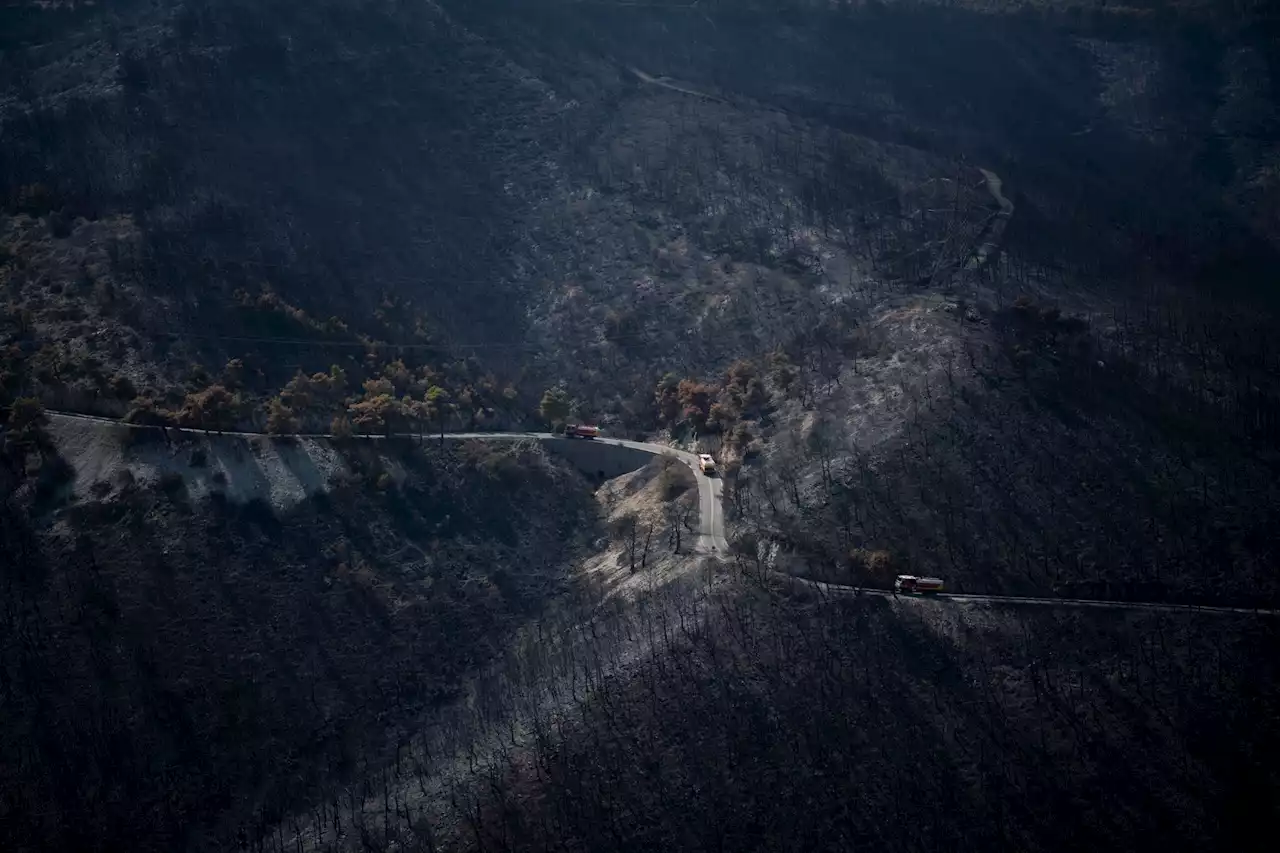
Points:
(711, 533)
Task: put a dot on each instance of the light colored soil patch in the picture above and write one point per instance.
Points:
(918, 344)
(640, 494)
(278, 473)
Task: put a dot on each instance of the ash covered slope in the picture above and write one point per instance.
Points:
(800, 725)
(789, 138)
(182, 668)
(1085, 397)
(333, 171)
(740, 180)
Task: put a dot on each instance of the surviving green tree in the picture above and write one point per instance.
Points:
(555, 406)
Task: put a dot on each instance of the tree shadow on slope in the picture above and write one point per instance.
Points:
(835, 725)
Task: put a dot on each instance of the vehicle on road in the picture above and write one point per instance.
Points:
(706, 463)
(580, 431)
(911, 584)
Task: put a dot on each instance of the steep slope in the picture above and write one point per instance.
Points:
(1011, 317)
(945, 288)
(776, 722)
(184, 179)
(182, 671)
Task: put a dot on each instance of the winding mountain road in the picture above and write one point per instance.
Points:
(711, 530)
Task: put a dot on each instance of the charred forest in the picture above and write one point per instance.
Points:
(977, 289)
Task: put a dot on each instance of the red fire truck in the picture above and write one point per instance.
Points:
(912, 584)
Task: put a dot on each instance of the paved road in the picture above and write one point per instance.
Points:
(840, 589)
(711, 533)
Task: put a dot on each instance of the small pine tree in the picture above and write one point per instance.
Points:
(555, 406)
(280, 419)
(26, 414)
(341, 427)
(437, 407)
(233, 374)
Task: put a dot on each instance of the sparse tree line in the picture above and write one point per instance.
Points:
(261, 282)
(395, 401)
(395, 398)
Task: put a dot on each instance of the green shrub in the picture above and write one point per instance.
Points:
(145, 413)
(214, 408)
(280, 419)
